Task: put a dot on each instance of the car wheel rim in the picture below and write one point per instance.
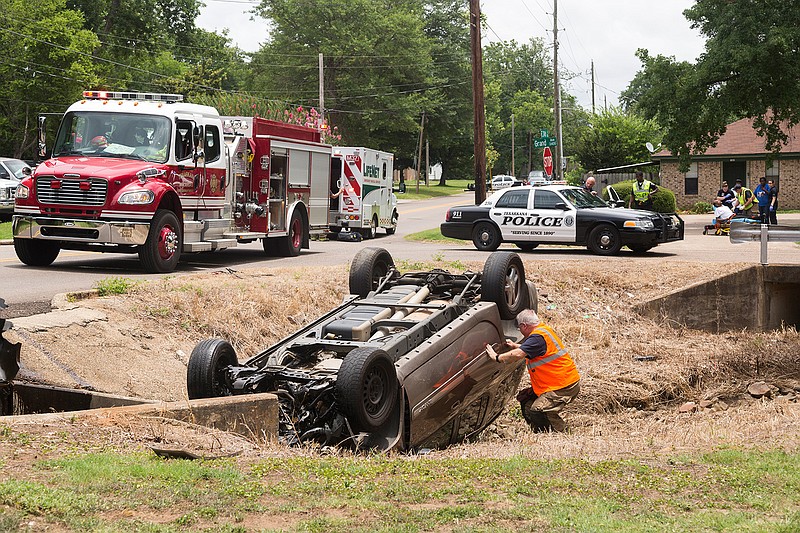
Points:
(485, 236)
(606, 240)
(167, 242)
(374, 391)
(512, 289)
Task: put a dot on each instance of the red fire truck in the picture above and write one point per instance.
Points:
(150, 174)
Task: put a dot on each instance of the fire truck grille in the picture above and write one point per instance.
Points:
(71, 191)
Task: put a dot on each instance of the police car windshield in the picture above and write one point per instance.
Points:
(582, 199)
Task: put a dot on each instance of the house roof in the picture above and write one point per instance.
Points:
(740, 139)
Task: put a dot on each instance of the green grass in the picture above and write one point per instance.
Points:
(726, 490)
(114, 285)
(433, 190)
(5, 230)
(432, 235)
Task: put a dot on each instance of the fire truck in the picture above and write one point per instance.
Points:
(365, 200)
(151, 174)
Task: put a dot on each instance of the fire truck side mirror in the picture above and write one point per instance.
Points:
(197, 135)
(42, 144)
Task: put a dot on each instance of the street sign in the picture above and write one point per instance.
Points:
(547, 158)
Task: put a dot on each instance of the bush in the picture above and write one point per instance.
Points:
(701, 207)
(663, 201)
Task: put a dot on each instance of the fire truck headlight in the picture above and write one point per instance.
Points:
(22, 192)
(140, 197)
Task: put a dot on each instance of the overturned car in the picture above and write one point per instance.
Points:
(400, 364)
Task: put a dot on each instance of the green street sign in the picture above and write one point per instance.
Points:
(545, 141)
(552, 141)
(544, 133)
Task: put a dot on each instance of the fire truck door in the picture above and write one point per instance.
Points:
(186, 179)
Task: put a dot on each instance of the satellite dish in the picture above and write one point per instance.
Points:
(649, 147)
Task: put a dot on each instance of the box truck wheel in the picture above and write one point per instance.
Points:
(162, 250)
(372, 230)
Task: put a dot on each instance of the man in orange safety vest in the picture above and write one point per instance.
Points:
(554, 377)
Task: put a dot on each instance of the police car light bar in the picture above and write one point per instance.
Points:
(115, 95)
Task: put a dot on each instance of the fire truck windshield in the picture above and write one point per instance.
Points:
(126, 135)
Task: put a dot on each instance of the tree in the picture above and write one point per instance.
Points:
(616, 138)
(378, 65)
(47, 62)
(748, 70)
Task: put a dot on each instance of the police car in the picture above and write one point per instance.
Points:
(559, 214)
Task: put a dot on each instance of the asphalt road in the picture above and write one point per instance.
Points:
(75, 271)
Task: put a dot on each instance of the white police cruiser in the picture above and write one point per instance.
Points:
(559, 214)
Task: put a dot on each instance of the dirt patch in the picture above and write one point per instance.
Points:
(636, 372)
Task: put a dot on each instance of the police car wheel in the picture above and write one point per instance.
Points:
(486, 237)
(604, 240)
(527, 246)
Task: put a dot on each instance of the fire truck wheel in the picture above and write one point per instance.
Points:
(289, 246)
(205, 374)
(391, 229)
(366, 388)
(367, 268)
(162, 250)
(372, 230)
(35, 252)
(503, 282)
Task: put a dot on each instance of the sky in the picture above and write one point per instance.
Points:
(606, 32)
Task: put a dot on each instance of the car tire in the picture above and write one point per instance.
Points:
(162, 250)
(290, 245)
(527, 246)
(393, 227)
(604, 240)
(486, 237)
(367, 268)
(366, 388)
(503, 282)
(205, 373)
(372, 231)
(640, 248)
(34, 252)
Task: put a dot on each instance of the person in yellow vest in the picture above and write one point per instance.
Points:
(744, 200)
(642, 193)
(554, 377)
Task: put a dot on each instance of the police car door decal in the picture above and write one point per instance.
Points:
(510, 212)
(549, 223)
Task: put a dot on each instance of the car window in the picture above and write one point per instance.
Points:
(514, 198)
(581, 198)
(546, 200)
(16, 166)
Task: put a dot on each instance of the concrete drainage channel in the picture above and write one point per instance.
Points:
(254, 416)
(758, 298)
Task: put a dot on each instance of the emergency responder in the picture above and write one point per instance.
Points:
(642, 193)
(744, 200)
(554, 378)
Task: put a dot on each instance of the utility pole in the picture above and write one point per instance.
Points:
(321, 91)
(513, 167)
(479, 119)
(557, 172)
(592, 86)
(427, 161)
(530, 163)
(419, 150)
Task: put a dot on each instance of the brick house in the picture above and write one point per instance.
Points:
(739, 154)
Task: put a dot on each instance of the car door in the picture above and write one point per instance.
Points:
(552, 218)
(511, 214)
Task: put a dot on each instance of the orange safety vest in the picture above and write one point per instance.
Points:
(555, 369)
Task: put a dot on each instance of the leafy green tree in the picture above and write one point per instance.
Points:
(748, 70)
(377, 66)
(46, 63)
(616, 138)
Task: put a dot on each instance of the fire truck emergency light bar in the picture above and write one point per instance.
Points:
(113, 95)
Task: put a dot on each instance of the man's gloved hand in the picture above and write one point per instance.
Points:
(772, 208)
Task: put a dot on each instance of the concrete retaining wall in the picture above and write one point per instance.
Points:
(758, 298)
